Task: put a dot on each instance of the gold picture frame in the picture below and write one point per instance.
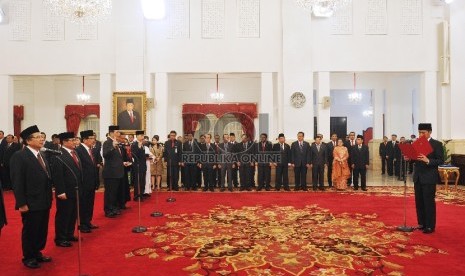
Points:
(121, 111)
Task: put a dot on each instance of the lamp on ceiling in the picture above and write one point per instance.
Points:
(354, 96)
(217, 95)
(153, 9)
(83, 97)
(81, 11)
(323, 8)
(2, 15)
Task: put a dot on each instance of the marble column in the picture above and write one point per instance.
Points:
(160, 112)
(267, 104)
(107, 86)
(323, 89)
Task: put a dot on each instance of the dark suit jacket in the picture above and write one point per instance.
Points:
(31, 184)
(242, 150)
(428, 173)
(383, 149)
(3, 220)
(124, 121)
(318, 157)
(90, 179)
(300, 158)
(173, 154)
(208, 155)
(2, 148)
(189, 153)
(260, 149)
(9, 151)
(285, 155)
(329, 151)
(139, 157)
(67, 176)
(391, 150)
(360, 158)
(113, 167)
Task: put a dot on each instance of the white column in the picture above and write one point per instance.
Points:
(457, 65)
(160, 112)
(428, 99)
(148, 87)
(297, 69)
(6, 104)
(378, 110)
(106, 109)
(267, 101)
(45, 113)
(323, 89)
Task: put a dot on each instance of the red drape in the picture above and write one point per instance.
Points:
(74, 114)
(18, 116)
(244, 112)
(367, 135)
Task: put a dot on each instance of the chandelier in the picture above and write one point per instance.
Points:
(81, 11)
(322, 8)
(217, 95)
(368, 113)
(83, 97)
(355, 97)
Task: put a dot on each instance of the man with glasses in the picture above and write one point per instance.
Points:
(32, 186)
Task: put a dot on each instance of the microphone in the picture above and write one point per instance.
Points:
(56, 152)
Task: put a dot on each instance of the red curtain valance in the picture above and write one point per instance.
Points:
(18, 116)
(74, 114)
(244, 112)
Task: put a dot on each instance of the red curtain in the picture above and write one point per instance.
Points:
(74, 114)
(18, 116)
(244, 112)
(367, 135)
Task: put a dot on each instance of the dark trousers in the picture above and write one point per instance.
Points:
(199, 177)
(172, 173)
(65, 219)
(252, 176)
(425, 204)
(383, 164)
(363, 175)
(226, 174)
(190, 176)
(282, 176)
(217, 176)
(5, 177)
(139, 183)
(124, 192)
(300, 176)
(208, 177)
(264, 176)
(329, 173)
(234, 176)
(245, 171)
(34, 233)
(110, 196)
(391, 166)
(86, 205)
(318, 175)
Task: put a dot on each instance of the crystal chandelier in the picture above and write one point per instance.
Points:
(217, 95)
(355, 97)
(323, 8)
(81, 11)
(368, 113)
(83, 97)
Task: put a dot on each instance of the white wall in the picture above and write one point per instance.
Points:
(342, 107)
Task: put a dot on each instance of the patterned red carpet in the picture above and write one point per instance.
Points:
(271, 233)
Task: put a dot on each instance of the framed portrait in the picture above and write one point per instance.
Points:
(129, 111)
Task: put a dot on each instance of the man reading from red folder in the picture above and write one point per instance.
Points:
(425, 177)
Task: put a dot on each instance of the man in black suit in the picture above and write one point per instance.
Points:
(225, 164)
(264, 148)
(67, 177)
(300, 160)
(129, 119)
(329, 150)
(359, 162)
(3, 144)
(10, 149)
(172, 156)
(425, 177)
(245, 151)
(189, 162)
(3, 220)
(319, 159)
(139, 166)
(90, 180)
(217, 170)
(32, 186)
(383, 154)
(235, 169)
(392, 149)
(282, 167)
(113, 171)
(208, 163)
(349, 144)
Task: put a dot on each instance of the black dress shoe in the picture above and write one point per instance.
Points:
(321, 188)
(428, 230)
(91, 226)
(314, 189)
(73, 239)
(212, 189)
(304, 189)
(31, 263)
(364, 189)
(296, 189)
(420, 227)
(287, 189)
(63, 244)
(146, 195)
(230, 189)
(110, 215)
(267, 189)
(44, 259)
(277, 189)
(85, 229)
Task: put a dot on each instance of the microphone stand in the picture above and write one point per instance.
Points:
(78, 216)
(139, 228)
(404, 227)
(156, 214)
(171, 198)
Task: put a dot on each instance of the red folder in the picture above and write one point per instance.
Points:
(420, 146)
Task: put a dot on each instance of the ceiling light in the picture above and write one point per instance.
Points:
(153, 9)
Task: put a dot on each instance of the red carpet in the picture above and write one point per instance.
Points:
(110, 250)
